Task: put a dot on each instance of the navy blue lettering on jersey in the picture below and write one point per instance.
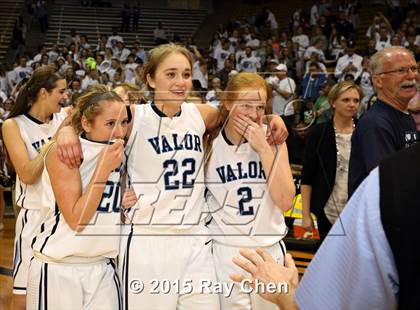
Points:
(163, 144)
(38, 144)
(111, 198)
(252, 170)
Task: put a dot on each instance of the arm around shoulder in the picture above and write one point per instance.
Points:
(28, 170)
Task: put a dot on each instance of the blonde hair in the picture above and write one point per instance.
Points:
(338, 89)
(159, 54)
(88, 104)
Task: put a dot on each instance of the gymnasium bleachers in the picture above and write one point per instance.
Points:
(94, 21)
(10, 10)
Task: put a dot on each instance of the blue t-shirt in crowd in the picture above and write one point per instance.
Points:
(382, 131)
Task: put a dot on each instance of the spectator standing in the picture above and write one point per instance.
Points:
(283, 88)
(135, 15)
(326, 160)
(41, 13)
(386, 127)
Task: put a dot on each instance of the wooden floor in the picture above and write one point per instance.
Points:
(302, 260)
(6, 262)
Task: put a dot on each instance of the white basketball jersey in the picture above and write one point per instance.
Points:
(164, 164)
(243, 213)
(101, 236)
(34, 134)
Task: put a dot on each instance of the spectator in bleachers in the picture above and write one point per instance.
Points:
(312, 82)
(378, 21)
(99, 58)
(383, 39)
(354, 17)
(139, 51)
(53, 53)
(101, 46)
(370, 49)
(314, 15)
(120, 51)
(223, 74)
(322, 109)
(69, 75)
(253, 43)
(18, 37)
(336, 44)
(318, 35)
(283, 88)
(114, 38)
(324, 26)
(109, 54)
(45, 60)
(41, 14)
(200, 72)
(272, 22)
(213, 96)
(3, 80)
(234, 39)
(301, 40)
(240, 51)
(104, 79)
(365, 82)
(130, 67)
(249, 63)
(118, 78)
(22, 71)
(222, 53)
(135, 16)
(125, 18)
(159, 34)
(115, 64)
(315, 59)
(83, 42)
(316, 48)
(344, 27)
(42, 49)
(75, 86)
(349, 63)
(72, 37)
(92, 78)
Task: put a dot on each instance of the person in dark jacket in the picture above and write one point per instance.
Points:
(326, 160)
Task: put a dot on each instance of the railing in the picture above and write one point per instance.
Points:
(59, 26)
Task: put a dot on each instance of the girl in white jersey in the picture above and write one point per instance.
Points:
(33, 121)
(167, 243)
(75, 248)
(249, 185)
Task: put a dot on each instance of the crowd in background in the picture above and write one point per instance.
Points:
(318, 49)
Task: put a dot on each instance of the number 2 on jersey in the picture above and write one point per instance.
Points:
(246, 196)
(171, 171)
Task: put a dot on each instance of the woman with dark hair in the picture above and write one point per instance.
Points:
(326, 160)
(33, 121)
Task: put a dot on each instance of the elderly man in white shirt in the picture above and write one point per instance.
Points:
(350, 63)
(283, 88)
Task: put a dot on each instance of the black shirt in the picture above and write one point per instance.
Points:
(382, 131)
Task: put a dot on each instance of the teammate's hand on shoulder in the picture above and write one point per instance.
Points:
(129, 198)
(277, 133)
(68, 147)
(112, 155)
